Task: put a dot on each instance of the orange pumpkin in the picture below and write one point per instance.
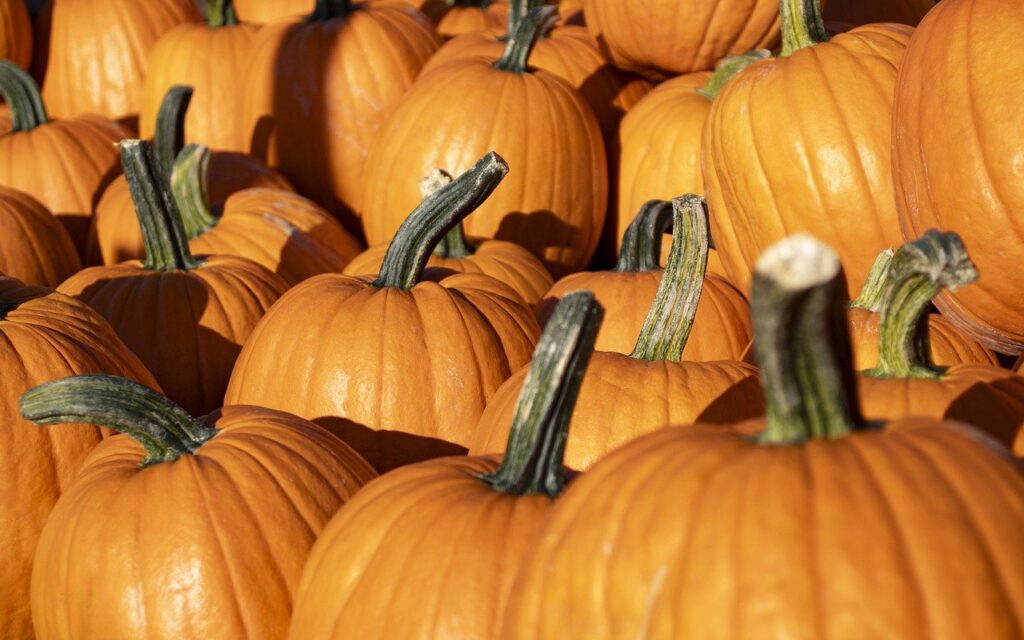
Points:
(623, 397)
(400, 366)
(823, 526)
(43, 336)
(859, 12)
(471, 16)
(98, 49)
(722, 326)
(269, 10)
(317, 92)
(186, 318)
(824, 109)
(554, 204)
(15, 33)
(65, 164)
(206, 538)
(34, 247)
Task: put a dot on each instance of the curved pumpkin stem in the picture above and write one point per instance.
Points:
(410, 249)
(162, 232)
(21, 93)
(919, 271)
(802, 25)
(641, 243)
(220, 13)
(328, 9)
(668, 323)
(454, 243)
(534, 457)
(521, 41)
(169, 136)
(517, 11)
(727, 68)
(165, 430)
(870, 298)
(188, 186)
(802, 343)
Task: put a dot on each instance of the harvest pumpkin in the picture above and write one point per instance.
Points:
(470, 16)
(429, 550)
(43, 336)
(317, 92)
(261, 11)
(98, 49)
(819, 527)
(210, 57)
(505, 261)
(400, 366)
(553, 204)
(206, 538)
(15, 33)
(34, 247)
(623, 397)
(72, 159)
(722, 325)
(185, 317)
(859, 12)
(824, 108)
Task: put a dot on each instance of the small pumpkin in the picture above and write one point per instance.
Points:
(823, 512)
(471, 16)
(859, 12)
(721, 326)
(400, 365)
(15, 33)
(206, 538)
(186, 317)
(34, 247)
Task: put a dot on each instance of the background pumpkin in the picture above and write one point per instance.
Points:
(469, 16)
(34, 247)
(261, 11)
(15, 33)
(859, 12)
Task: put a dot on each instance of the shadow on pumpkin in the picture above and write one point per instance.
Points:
(387, 450)
(540, 231)
(743, 401)
(998, 404)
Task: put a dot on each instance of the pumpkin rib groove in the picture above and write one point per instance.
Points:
(429, 368)
(816, 568)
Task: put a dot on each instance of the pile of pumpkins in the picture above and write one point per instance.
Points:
(495, 319)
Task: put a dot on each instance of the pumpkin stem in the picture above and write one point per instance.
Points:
(328, 9)
(169, 136)
(802, 343)
(641, 243)
(220, 13)
(410, 249)
(919, 271)
(534, 457)
(21, 93)
(165, 430)
(521, 41)
(453, 244)
(729, 67)
(517, 10)
(802, 25)
(670, 318)
(162, 232)
(870, 298)
(188, 186)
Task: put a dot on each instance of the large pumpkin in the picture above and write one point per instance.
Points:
(823, 526)
(43, 336)
(34, 247)
(206, 538)
(824, 110)
(15, 33)
(859, 12)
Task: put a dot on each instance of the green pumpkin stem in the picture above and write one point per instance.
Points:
(919, 271)
(169, 136)
(328, 9)
(534, 456)
(802, 25)
(517, 11)
(163, 234)
(802, 344)
(641, 243)
(165, 430)
(870, 298)
(188, 186)
(220, 13)
(727, 68)
(667, 327)
(520, 43)
(454, 243)
(21, 93)
(414, 241)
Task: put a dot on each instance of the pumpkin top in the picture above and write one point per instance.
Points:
(219, 13)
(641, 242)
(21, 93)
(729, 67)
(802, 25)
(521, 41)
(169, 134)
(870, 298)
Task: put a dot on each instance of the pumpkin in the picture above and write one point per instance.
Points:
(318, 91)
(822, 526)
(663, 38)
(824, 108)
(45, 336)
(206, 538)
(506, 261)
(185, 317)
(15, 33)
(210, 57)
(975, 190)
(269, 10)
(470, 16)
(65, 164)
(622, 396)
(571, 12)
(399, 365)
(116, 236)
(722, 326)
(98, 49)
(34, 247)
(858, 12)
(554, 204)
(470, 520)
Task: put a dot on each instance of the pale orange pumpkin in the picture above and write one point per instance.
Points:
(34, 247)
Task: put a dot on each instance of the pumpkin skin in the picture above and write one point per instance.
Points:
(260, 11)
(34, 247)
(98, 50)
(44, 336)
(459, 20)
(15, 33)
(825, 112)
(860, 12)
(949, 347)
